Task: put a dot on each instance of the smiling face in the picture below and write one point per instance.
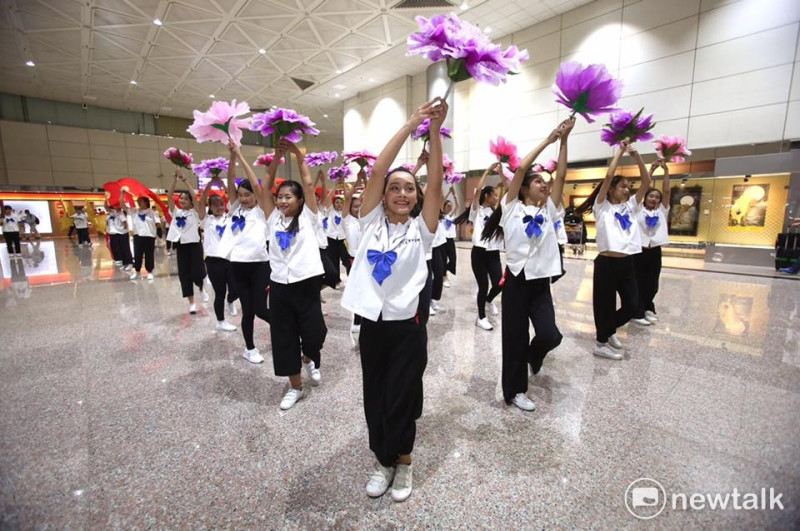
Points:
(355, 206)
(216, 205)
(400, 195)
(288, 202)
(448, 207)
(652, 199)
(185, 201)
(538, 191)
(338, 203)
(246, 198)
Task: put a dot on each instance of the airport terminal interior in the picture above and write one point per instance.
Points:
(127, 405)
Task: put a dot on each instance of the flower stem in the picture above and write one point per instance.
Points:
(449, 90)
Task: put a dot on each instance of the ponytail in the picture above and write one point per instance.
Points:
(492, 228)
(587, 206)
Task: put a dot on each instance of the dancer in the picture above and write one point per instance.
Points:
(117, 230)
(81, 223)
(11, 223)
(652, 220)
(618, 240)
(450, 233)
(526, 222)
(334, 232)
(216, 222)
(352, 228)
(144, 221)
(388, 275)
(185, 237)
(332, 277)
(438, 263)
(296, 309)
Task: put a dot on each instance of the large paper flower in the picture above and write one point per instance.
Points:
(363, 158)
(548, 167)
(467, 49)
(266, 159)
(321, 158)
(587, 91)
(178, 158)
(340, 172)
(210, 167)
(220, 123)
(454, 178)
(623, 125)
(423, 131)
(283, 123)
(672, 148)
(505, 151)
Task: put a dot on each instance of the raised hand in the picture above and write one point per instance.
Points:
(424, 111)
(439, 113)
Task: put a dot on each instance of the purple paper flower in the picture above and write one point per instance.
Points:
(423, 131)
(623, 125)
(340, 172)
(363, 158)
(548, 167)
(321, 158)
(266, 159)
(220, 122)
(283, 124)
(467, 49)
(210, 167)
(454, 178)
(587, 91)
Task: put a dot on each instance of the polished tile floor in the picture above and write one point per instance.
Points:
(120, 410)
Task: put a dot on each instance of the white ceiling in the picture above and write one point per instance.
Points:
(90, 50)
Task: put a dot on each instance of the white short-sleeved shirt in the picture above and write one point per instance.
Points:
(479, 218)
(144, 222)
(654, 231)
(335, 226)
(115, 222)
(214, 229)
(320, 230)
(440, 236)
(449, 226)
(81, 220)
(11, 223)
(352, 228)
(189, 232)
(558, 223)
(610, 234)
(538, 256)
(397, 298)
(248, 242)
(301, 259)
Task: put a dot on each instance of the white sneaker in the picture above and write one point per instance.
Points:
(355, 329)
(650, 316)
(225, 326)
(291, 397)
(446, 283)
(338, 286)
(433, 310)
(232, 308)
(641, 322)
(614, 341)
(253, 356)
(380, 480)
(602, 350)
(150, 276)
(204, 293)
(523, 402)
(116, 262)
(169, 253)
(493, 308)
(192, 308)
(435, 305)
(403, 478)
(127, 267)
(313, 373)
(484, 323)
(133, 275)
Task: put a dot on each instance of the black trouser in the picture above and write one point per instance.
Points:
(220, 273)
(83, 236)
(437, 268)
(648, 271)
(450, 248)
(252, 281)
(393, 359)
(144, 247)
(297, 324)
(331, 275)
(71, 231)
(337, 252)
(613, 275)
(12, 242)
(556, 278)
(424, 304)
(485, 265)
(356, 317)
(121, 248)
(191, 269)
(169, 245)
(523, 301)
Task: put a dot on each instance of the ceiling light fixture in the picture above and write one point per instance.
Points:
(336, 95)
(324, 115)
(262, 51)
(372, 80)
(133, 82)
(30, 63)
(487, 30)
(211, 96)
(464, 6)
(158, 22)
(338, 71)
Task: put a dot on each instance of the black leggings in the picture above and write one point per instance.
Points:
(450, 249)
(486, 265)
(220, 273)
(297, 324)
(648, 272)
(438, 268)
(613, 275)
(144, 247)
(12, 242)
(252, 280)
(337, 252)
(331, 274)
(523, 301)
(121, 248)
(191, 269)
(83, 236)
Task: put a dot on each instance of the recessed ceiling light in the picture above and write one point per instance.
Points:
(30, 63)
(339, 86)
(464, 6)
(133, 82)
(372, 80)
(324, 115)
(488, 29)
(158, 22)
(338, 71)
(262, 51)
(211, 96)
(336, 95)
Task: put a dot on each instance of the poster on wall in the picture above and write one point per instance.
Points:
(748, 205)
(684, 210)
(40, 209)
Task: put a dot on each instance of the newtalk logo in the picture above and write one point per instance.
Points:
(646, 498)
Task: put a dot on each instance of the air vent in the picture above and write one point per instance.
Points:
(588, 163)
(302, 83)
(424, 4)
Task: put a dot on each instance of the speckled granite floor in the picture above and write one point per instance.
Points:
(120, 410)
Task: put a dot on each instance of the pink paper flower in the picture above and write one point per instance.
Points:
(339, 172)
(178, 157)
(283, 124)
(409, 167)
(220, 123)
(447, 164)
(548, 167)
(266, 159)
(625, 124)
(587, 91)
(210, 167)
(321, 158)
(505, 151)
(363, 158)
(672, 148)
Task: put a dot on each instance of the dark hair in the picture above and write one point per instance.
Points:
(587, 205)
(145, 199)
(420, 196)
(7, 207)
(246, 185)
(211, 198)
(297, 190)
(486, 190)
(464, 216)
(187, 194)
(660, 195)
(492, 228)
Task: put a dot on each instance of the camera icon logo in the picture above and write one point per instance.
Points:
(645, 498)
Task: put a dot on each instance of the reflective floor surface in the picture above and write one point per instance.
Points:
(121, 410)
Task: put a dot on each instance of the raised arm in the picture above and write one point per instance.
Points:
(263, 193)
(326, 194)
(348, 194)
(666, 190)
(557, 191)
(527, 162)
(612, 169)
(232, 195)
(422, 160)
(476, 195)
(644, 175)
(305, 174)
(432, 205)
(204, 198)
(374, 190)
(171, 194)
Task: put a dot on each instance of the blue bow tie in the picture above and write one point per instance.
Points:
(382, 264)
(624, 220)
(237, 223)
(111, 218)
(142, 216)
(557, 224)
(486, 218)
(180, 221)
(337, 219)
(10, 220)
(533, 225)
(220, 230)
(284, 239)
(448, 223)
(651, 221)
(325, 223)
